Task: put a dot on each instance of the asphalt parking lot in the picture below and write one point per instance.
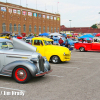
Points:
(78, 79)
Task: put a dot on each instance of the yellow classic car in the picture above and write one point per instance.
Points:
(53, 53)
(4, 35)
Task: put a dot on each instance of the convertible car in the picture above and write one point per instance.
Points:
(21, 61)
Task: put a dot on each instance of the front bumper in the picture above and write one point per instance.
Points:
(43, 73)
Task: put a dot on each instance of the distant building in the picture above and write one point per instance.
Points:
(18, 19)
(81, 30)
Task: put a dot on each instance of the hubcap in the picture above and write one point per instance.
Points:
(55, 59)
(20, 74)
(82, 49)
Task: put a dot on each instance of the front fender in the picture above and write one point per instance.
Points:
(8, 69)
(47, 66)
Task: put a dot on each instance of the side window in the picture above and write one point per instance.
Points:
(3, 45)
(0, 45)
(38, 42)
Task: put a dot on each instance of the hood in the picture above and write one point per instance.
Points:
(57, 48)
(18, 52)
(20, 44)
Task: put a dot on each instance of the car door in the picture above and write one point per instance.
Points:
(2, 55)
(40, 46)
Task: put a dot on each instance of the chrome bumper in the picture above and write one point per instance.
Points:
(43, 73)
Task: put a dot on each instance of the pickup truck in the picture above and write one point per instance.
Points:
(87, 46)
(53, 53)
(94, 46)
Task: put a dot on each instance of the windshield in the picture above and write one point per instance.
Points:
(47, 42)
(4, 45)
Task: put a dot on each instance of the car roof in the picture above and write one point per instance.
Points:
(42, 38)
(4, 40)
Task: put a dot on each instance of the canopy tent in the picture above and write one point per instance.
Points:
(98, 34)
(68, 33)
(6, 32)
(87, 36)
(94, 34)
(75, 34)
(87, 39)
(55, 34)
(44, 34)
(64, 35)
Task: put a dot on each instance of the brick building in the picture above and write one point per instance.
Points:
(18, 19)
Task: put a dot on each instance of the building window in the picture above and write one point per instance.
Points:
(3, 27)
(35, 28)
(10, 27)
(30, 28)
(39, 29)
(55, 29)
(51, 30)
(48, 29)
(24, 28)
(15, 28)
(58, 29)
(44, 29)
(19, 28)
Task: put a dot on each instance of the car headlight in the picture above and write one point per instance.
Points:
(45, 59)
(34, 60)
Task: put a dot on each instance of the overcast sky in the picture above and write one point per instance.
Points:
(83, 13)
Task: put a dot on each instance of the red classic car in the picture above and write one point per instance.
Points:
(94, 46)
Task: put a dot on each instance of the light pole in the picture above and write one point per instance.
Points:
(20, 2)
(70, 25)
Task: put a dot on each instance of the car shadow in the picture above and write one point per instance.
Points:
(8, 79)
(88, 51)
(32, 80)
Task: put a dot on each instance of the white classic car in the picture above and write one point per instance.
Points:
(20, 61)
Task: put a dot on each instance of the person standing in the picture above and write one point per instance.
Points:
(66, 43)
(61, 41)
(51, 38)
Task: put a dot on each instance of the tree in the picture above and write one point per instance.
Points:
(94, 26)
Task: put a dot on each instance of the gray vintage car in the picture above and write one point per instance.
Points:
(21, 61)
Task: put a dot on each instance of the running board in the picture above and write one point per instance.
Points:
(5, 75)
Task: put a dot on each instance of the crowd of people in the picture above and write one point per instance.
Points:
(61, 42)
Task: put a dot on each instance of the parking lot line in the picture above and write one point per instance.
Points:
(94, 58)
(81, 61)
(66, 67)
(12, 89)
(56, 75)
(80, 57)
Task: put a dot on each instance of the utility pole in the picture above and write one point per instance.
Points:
(20, 2)
(70, 25)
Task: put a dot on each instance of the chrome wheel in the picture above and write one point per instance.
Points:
(21, 74)
(82, 49)
(55, 59)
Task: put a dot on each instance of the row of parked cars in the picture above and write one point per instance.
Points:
(23, 61)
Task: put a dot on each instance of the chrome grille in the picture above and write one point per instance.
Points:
(41, 64)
